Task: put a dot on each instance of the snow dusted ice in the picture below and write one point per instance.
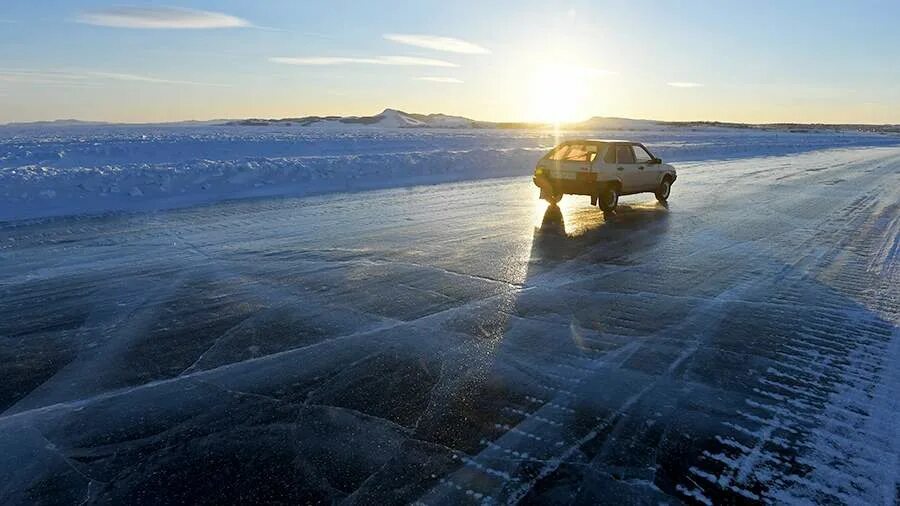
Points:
(445, 344)
(90, 169)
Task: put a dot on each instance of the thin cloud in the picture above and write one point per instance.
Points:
(321, 60)
(437, 79)
(147, 79)
(44, 78)
(378, 60)
(437, 43)
(684, 84)
(84, 78)
(413, 60)
(160, 18)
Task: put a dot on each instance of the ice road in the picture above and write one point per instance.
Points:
(463, 343)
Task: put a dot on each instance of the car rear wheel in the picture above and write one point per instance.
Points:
(608, 199)
(664, 189)
(553, 199)
(549, 195)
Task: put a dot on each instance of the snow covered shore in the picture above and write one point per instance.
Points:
(62, 171)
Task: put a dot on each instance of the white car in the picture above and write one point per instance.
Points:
(604, 170)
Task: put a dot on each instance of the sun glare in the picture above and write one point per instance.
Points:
(555, 97)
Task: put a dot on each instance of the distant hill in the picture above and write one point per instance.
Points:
(56, 123)
(393, 118)
(389, 118)
(81, 123)
(604, 123)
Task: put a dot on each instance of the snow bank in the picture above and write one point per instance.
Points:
(72, 170)
(36, 190)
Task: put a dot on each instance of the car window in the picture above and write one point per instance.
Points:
(610, 156)
(641, 155)
(624, 154)
(559, 153)
(581, 153)
(575, 153)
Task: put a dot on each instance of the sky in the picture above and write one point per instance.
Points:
(829, 61)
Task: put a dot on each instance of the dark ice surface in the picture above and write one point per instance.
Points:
(464, 343)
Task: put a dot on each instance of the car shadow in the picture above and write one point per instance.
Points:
(600, 235)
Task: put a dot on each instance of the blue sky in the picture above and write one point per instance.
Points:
(762, 61)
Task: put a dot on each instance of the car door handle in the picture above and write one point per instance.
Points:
(621, 168)
(641, 168)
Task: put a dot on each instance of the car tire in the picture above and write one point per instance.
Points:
(608, 198)
(553, 199)
(664, 190)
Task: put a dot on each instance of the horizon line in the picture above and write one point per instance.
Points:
(499, 122)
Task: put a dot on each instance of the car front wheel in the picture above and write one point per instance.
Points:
(664, 189)
(609, 199)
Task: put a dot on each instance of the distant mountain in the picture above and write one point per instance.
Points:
(389, 118)
(604, 123)
(82, 123)
(56, 123)
(442, 120)
(393, 118)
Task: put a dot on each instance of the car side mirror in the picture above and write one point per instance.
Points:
(656, 161)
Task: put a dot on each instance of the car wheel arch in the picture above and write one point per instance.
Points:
(617, 183)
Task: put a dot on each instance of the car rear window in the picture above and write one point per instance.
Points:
(559, 153)
(575, 153)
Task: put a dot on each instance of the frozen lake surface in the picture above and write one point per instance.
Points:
(93, 169)
(463, 343)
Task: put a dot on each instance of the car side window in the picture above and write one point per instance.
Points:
(641, 155)
(624, 154)
(610, 156)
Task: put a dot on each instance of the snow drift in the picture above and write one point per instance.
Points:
(35, 190)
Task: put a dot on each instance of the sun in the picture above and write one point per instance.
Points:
(555, 97)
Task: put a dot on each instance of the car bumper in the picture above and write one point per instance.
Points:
(554, 186)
